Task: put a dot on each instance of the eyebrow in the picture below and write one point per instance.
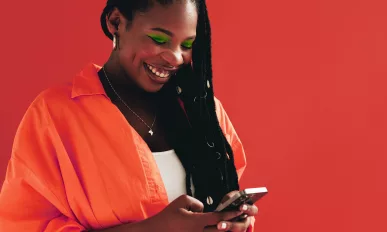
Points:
(168, 32)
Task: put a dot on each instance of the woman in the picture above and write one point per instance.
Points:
(139, 144)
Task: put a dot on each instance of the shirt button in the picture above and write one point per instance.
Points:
(209, 200)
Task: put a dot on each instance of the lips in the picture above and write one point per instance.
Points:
(158, 74)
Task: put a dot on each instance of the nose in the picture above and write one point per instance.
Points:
(173, 57)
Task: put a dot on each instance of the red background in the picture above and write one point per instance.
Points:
(303, 81)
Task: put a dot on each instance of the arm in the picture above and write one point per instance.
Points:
(132, 227)
(32, 196)
(236, 145)
(25, 204)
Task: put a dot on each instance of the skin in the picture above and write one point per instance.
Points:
(136, 46)
(185, 214)
(167, 47)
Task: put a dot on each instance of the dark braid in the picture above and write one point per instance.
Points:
(198, 141)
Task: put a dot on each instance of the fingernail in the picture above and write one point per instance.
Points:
(222, 226)
(244, 207)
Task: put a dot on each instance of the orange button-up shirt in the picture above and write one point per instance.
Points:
(78, 165)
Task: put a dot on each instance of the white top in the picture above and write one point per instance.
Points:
(172, 173)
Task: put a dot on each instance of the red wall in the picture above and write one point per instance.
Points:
(303, 81)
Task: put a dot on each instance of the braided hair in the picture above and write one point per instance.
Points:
(196, 135)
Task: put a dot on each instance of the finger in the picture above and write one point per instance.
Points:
(215, 217)
(195, 205)
(211, 229)
(234, 226)
(250, 210)
(189, 203)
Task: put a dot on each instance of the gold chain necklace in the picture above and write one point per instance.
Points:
(154, 120)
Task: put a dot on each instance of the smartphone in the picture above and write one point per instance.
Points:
(247, 196)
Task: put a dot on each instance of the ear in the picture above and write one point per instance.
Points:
(114, 20)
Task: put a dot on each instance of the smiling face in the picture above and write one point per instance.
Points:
(156, 43)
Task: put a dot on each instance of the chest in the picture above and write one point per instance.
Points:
(148, 125)
(114, 176)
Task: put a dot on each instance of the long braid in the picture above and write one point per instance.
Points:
(221, 146)
(196, 135)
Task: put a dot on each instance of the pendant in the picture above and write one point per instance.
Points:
(150, 132)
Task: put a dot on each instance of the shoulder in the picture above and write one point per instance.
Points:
(218, 105)
(33, 131)
(47, 102)
(220, 111)
(223, 118)
(232, 137)
(54, 95)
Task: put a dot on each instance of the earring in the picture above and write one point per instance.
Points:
(114, 42)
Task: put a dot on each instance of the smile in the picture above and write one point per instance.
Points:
(160, 72)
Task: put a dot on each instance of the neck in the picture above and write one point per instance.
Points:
(127, 89)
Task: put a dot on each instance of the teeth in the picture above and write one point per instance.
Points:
(161, 74)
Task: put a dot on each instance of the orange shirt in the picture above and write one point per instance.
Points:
(77, 164)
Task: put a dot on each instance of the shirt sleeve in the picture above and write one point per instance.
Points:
(32, 198)
(236, 145)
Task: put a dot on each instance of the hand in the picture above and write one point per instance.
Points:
(186, 214)
(236, 226)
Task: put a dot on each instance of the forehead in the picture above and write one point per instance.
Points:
(178, 17)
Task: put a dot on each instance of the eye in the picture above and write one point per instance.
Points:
(158, 39)
(187, 44)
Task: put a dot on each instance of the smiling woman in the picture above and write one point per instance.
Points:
(160, 36)
(139, 144)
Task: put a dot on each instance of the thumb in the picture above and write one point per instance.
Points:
(213, 218)
(189, 203)
(195, 205)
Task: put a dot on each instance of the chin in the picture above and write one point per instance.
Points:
(152, 88)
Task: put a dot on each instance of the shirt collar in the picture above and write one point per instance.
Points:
(87, 82)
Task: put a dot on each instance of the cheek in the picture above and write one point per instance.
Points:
(147, 53)
(136, 53)
(126, 54)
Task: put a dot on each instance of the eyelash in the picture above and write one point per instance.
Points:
(162, 43)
